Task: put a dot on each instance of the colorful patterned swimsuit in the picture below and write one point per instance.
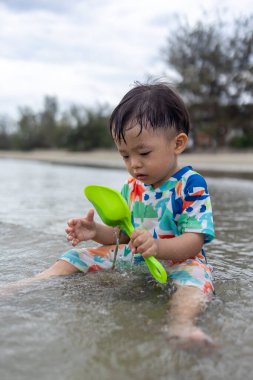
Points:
(181, 204)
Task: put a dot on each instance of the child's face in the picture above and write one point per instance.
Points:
(151, 157)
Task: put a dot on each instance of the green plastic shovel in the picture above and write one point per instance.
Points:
(113, 210)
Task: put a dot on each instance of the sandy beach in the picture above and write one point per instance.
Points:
(227, 164)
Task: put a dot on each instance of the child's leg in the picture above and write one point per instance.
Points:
(72, 261)
(59, 268)
(193, 281)
(185, 306)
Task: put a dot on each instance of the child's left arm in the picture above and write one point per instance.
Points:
(182, 247)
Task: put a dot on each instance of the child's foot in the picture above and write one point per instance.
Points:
(191, 336)
(12, 287)
(6, 291)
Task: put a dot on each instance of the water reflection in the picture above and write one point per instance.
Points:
(110, 325)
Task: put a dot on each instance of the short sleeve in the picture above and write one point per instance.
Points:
(196, 213)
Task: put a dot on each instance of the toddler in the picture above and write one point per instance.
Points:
(170, 207)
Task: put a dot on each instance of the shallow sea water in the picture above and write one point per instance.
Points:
(112, 325)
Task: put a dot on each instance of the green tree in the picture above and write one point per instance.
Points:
(48, 123)
(78, 128)
(89, 129)
(213, 63)
(27, 136)
(5, 139)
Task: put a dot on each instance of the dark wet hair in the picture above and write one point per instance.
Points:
(154, 105)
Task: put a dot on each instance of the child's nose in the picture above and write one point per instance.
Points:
(135, 163)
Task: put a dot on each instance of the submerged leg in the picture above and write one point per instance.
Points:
(185, 306)
(59, 268)
(73, 261)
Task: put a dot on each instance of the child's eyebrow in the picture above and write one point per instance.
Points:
(143, 146)
(137, 147)
(121, 151)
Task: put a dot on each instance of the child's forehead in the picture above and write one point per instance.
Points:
(142, 138)
(144, 133)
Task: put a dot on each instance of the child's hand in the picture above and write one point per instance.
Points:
(143, 242)
(81, 229)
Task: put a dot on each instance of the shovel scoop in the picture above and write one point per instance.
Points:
(113, 210)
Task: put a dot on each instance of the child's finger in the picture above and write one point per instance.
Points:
(75, 242)
(139, 240)
(143, 247)
(72, 222)
(132, 247)
(70, 237)
(137, 232)
(68, 230)
(149, 252)
(90, 215)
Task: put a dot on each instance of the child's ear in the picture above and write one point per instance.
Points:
(180, 143)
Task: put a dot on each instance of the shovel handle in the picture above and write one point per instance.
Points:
(154, 266)
(156, 269)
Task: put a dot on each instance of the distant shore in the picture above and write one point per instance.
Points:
(221, 164)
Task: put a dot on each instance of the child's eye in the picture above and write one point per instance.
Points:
(144, 153)
(125, 157)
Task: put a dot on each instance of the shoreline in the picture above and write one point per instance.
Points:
(221, 164)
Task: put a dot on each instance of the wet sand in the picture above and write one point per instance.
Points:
(227, 164)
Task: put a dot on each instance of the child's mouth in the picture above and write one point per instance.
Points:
(141, 177)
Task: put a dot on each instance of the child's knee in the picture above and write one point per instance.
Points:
(63, 268)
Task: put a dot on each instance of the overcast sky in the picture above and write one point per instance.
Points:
(87, 51)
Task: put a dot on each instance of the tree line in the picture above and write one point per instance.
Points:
(78, 128)
(211, 65)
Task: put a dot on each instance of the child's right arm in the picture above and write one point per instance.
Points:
(86, 228)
